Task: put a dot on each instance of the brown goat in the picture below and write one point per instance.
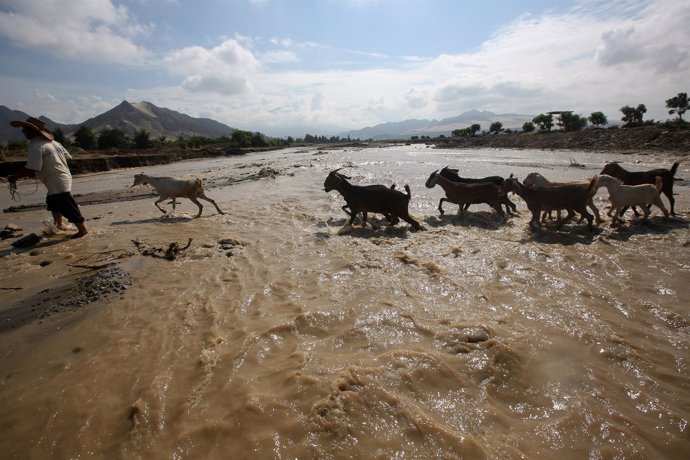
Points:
(572, 197)
(464, 194)
(535, 179)
(645, 177)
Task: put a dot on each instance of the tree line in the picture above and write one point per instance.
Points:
(568, 121)
(114, 138)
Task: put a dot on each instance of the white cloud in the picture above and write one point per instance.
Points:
(659, 43)
(599, 56)
(416, 99)
(224, 69)
(585, 60)
(279, 56)
(221, 84)
(87, 30)
(317, 102)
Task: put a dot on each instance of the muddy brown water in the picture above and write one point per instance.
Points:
(475, 338)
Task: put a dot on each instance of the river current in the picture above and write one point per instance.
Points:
(280, 334)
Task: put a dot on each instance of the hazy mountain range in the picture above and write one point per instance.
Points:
(158, 121)
(406, 129)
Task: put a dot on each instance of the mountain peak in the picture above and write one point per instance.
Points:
(128, 118)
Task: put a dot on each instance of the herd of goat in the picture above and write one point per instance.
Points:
(626, 189)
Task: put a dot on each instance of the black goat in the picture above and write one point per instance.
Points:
(373, 198)
(645, 177)
(452, 175)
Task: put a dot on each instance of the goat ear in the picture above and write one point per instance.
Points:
(511, 176)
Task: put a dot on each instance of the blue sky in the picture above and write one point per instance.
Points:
(324, 67)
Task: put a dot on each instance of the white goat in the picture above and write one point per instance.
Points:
(169, 187)
(537, 180)
(621, 195)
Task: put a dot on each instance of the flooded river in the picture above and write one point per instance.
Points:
(279, 334)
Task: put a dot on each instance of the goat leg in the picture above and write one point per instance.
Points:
(595, 210)
(158, 206)
(440, 205)
(204, 197)
(534, 222)
(407, 218)
(196, 202)
(567, 219)
(659, 204)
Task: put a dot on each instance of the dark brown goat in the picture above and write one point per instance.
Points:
(373, 198)
(452, 175)
(572, 197)
(464, 194)
(645, 177)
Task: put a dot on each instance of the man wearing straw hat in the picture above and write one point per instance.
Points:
(48, 162)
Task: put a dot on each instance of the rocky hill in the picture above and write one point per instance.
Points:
(127, 117)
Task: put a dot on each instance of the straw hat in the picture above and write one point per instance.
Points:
(34, 123)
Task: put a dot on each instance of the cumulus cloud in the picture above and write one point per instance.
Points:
(224, 69)
(87, 30)
(221, 84)
(657, 40)
(596, 56)
(588, 59)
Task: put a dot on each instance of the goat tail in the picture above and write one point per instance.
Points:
(407, 189)
(674, 168)
(659, 183)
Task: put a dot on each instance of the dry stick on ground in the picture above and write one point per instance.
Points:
(99, 266)
(92, 267)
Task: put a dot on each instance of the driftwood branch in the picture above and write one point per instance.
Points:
(92, 267)
(170, 253)
(109, 255)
